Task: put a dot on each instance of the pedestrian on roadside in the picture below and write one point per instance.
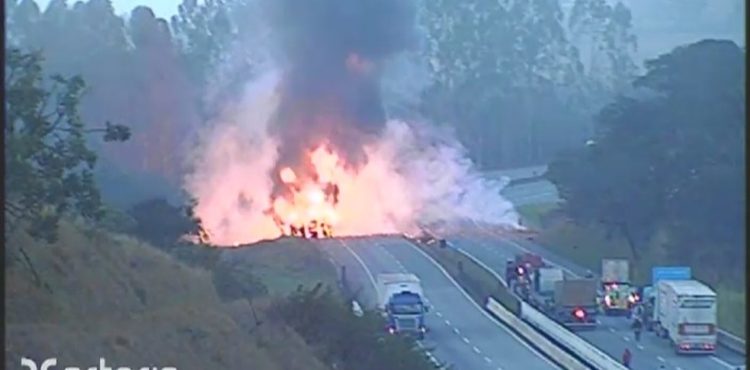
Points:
(626, 357)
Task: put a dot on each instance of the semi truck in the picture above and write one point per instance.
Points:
(617, 295)
(685, 313)
(402, 302)
(574, 303)
(571, 302)
(647, 293)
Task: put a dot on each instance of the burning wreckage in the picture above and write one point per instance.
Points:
(307, 206)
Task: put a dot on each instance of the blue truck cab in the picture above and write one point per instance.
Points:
(405, 312)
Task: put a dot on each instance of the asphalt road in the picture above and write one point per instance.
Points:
(461, 332)
(494, 247)
(531, 193)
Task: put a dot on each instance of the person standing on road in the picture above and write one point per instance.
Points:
(637, 326)
(626, 357)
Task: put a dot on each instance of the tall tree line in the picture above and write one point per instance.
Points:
(508, 75)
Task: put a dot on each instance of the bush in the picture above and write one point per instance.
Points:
(160, 223)
(236, 282)
(344, 340)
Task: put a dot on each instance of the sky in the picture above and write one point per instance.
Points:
(162, 8)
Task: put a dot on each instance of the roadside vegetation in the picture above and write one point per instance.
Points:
(85, 281)
(662, 179)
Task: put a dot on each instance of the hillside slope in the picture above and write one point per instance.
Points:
(116, 298)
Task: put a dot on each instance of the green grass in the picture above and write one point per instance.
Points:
(587, 246)
(533, 214)
(286, 263)
(115, 297)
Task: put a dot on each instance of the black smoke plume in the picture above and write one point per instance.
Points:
(330, 51)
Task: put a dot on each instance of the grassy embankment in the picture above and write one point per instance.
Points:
(587, 246)
(114, 297)
(477, 281)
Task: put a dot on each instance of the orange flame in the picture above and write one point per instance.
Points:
(311, 207)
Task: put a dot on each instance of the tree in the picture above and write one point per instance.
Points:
(604, 35)
(48, 164)
(669, 158)
(505, 75)
(203, 33)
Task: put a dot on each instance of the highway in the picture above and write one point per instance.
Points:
(493, 247)
(461, 332)
(613, 334)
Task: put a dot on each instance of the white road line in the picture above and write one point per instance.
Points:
(466, 340)
(364, 266)
(487, 315)
(476, 349)
(487, 359)
(455, 330)
(661, 359)
(448, 322)
(640, 347)
(438, 314)
(514, 243)
(626, 339)
(722, 362)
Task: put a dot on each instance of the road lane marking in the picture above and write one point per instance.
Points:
(455, 330)
(476, 350)
(466, 340)
(722, 362)
(487, 315)
(364, 266)
(640, 347)
(660, 358)
(438, 314)
(569, 271)
(487, 359)
(448, 322)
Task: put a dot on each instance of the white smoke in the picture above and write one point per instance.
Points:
(415, 174)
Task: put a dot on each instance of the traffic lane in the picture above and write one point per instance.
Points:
(723, 356)
(357, 278)
(488, 339)
(609, 341)
(613, 334)
(451, 345)
(529, 189)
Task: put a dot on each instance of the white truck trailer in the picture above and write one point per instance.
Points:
(402, 301)
(685, 313)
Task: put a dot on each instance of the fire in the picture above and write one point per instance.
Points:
(309, 207)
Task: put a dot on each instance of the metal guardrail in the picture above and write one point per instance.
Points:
(732, 342)
(544, 345)
(561, 345)
(573, 343)
(564, 337)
